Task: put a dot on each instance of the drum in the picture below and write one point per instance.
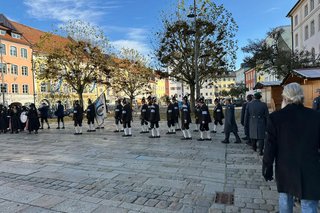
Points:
(23, 117)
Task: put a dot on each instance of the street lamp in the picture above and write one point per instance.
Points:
(196, 72)
(2, 72)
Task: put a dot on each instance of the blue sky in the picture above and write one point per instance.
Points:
(131, 23)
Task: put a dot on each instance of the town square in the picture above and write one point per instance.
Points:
(160, 106)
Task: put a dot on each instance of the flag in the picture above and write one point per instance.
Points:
(100, 109)
(93, 87)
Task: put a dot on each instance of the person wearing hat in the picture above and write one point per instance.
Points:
(91, 114)
(185, 119)
(44, 114)
(60, 114)
(154, 118)
(176, 113)
(3, 119)
(316, 102)
(243, 112)
(230, 124)
(149, 99)
(118, 115)
(144, 117)
(217, 115)
(170, 117)
(77, 118)
(197, 115)
(126, 118)
(205, 119)
(256, 118)
(33, 119)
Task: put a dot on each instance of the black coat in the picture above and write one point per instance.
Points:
(77, 113)
(144, 112)
(293, 142)
(118, 112)
(185, 114)
(91, 112)
(243, 112)
(218, 113)
(316, 104)
(33, 119)
(154, 115)
(256, 117)
(170, 112)
(230, 124)
(44, 111)
(197, 113)
(205, 115)
(176, 110)
(126, 113)
(60, 111)
(3, 119)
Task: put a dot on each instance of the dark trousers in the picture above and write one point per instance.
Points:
(260, 144)
(227, 134)
(60, 119)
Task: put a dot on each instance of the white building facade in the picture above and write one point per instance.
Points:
(305, 21)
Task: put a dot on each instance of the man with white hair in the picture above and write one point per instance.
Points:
(293, 142)
(316, 102)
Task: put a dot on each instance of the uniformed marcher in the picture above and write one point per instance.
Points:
(14, 119)
(170, 117)
(185, 119)
(243, 112)
(154, 118)
(118, 115)
(256, 117)
(316, 102)
(144, 116)
(126, 118)
(91, 114)
(60, 114)
(77, 118)
(205, 120)
(149, 99)
(197, 115)
(230, 124)
(33, 119)
(176, 113)
(24, 111)
(44, 109)
(3, 119)
(217, 115)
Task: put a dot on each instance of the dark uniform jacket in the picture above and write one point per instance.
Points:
(218, 113)
(126, 113)
(243, 112)
(60, 111)
(185, 114)
(256, 118)
(293, 142)
(144, 112)
(91, 113)
(316, 104)
(3, 118)
(230, 124)
(77, 113)
(154, 115)
(118, 112)
(44, 111)
(170, 112)
(33, 119)
(176, 110)
(15, 119)
(205, 115)
(197, 113)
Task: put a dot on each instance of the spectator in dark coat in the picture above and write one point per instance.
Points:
(77, 118)
(154, 118)
(126, 118)
(91, 114)
(44, 109)
(293, 142)
(33, 119)
(243, 112)
(60, 114)
(230, 124)
(3, 119)
(14, 119)
(217, 115)
(256, 118)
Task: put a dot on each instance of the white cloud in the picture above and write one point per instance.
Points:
(65, 10)
(141, 47)
(270, 10)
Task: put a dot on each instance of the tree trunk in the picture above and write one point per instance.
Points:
(80, 96)
(131, 101)
(192, 97)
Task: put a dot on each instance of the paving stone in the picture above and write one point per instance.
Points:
(162, 204)
(151, 202)
(141, 200)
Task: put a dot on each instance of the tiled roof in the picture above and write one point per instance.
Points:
(34, 36)
(308, 73)
(7, 37)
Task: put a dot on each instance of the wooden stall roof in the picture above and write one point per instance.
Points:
(299, 74)
(261, 85)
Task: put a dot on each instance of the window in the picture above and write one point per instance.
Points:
(206, 94)
(4, 88)
(24, 70)
(311, 5)
(296, 40)
(210, 93)
(3, 68)
(14, 88)
(3, 49)
(15, 35)
(2, 32)
(44, 87)
(296, 20)
(306, 11)
(13, 51)
(312, 28)
(24, 53)
(25, 89)
(306, 32)
(313, 53)
(14, 69)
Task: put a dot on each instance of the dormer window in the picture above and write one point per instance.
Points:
(15, 35)
(2, 32)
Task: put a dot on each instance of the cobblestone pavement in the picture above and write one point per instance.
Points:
(56, 171)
